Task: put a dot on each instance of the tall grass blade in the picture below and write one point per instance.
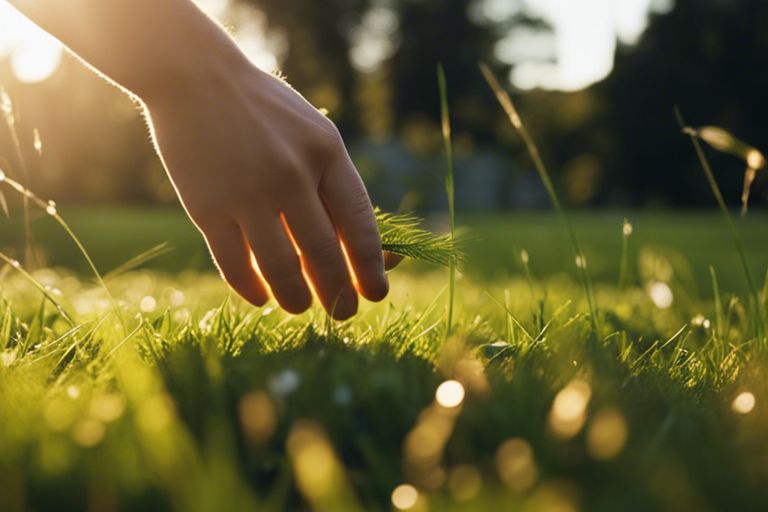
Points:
(139, 260)
(514, 117)
(449, 187)
(50, 208)
(37, 284)
(754, 294)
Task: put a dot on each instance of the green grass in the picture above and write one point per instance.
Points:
(691, 240)
(212, 405)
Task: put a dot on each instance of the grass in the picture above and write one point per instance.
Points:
(209, 404)
(158, 389)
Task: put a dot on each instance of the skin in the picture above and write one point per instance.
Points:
(263, 175)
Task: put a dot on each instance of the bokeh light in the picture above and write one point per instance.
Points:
(464, 482)
(450, 394)
(569, 409)
(661, 295)
(607, 434)
(258, 418)
(516, 465)
(405, 497)
(744, 403)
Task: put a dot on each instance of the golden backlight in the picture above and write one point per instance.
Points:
(34, 55)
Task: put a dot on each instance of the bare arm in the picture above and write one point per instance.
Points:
(258, 169)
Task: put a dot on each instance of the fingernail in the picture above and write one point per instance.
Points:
(346, 306)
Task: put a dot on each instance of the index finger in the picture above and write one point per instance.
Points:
(351, 211)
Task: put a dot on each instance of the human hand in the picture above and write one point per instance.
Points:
(259, 170)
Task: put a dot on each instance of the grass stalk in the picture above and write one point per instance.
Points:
(9, 114)
(449, 189)
(514, 117)
(50, 208)
(626, 232)
(726, 214)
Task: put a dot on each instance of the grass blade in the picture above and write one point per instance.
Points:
(449, 187)
(514, 117)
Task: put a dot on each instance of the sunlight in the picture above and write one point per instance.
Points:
(34, 55)
(581, 50)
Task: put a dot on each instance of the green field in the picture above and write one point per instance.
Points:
(169, 393)
(691, 241)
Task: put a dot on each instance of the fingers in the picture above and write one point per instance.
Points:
(350, 208)
(392, 260)
(278, 262)
(233, 257)
(322, 256)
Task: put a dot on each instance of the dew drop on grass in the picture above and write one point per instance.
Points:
(51, 208)
(2, 176)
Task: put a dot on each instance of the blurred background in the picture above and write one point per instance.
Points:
(596, 81)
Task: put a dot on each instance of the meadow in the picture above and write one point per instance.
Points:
(587, 361)
(172, 394)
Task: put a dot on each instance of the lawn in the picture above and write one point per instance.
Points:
(169, 393)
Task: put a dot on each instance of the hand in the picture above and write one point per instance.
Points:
(260, 171)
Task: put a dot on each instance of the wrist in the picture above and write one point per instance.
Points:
(197, 58)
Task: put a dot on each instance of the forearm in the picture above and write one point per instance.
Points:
(149, 47)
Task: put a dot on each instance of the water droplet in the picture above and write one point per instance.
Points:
(51, 208)
(16, 263)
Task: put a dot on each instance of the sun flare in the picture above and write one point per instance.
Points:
(34, 55)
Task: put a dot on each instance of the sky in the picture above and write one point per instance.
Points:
(579, 53)
(584, 42)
